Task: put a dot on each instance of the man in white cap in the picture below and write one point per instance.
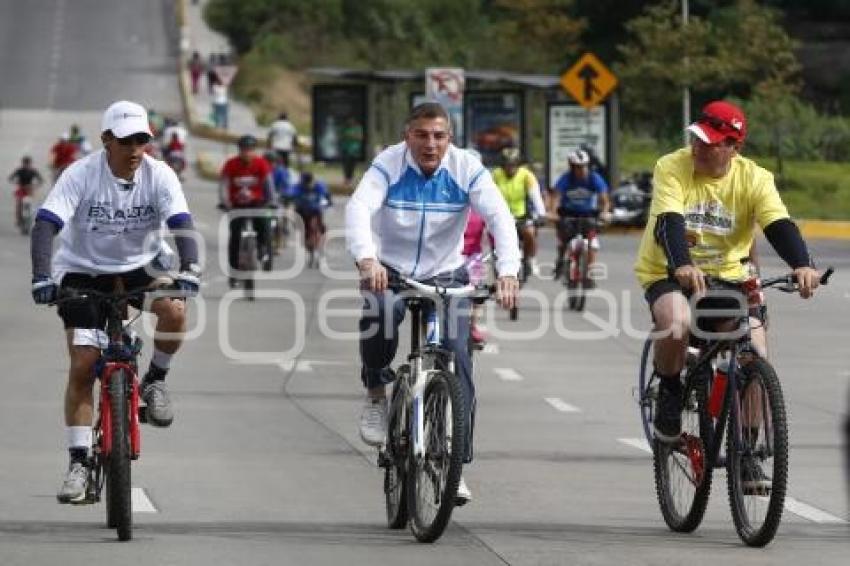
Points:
(109, 209)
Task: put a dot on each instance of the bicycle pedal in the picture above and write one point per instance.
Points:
(143, 414)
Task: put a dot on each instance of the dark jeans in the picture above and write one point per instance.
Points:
(261, 226)
(379, 341)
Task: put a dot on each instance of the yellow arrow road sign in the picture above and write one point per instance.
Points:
(589, 81)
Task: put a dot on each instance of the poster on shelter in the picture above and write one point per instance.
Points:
(446, 86)
(339, 112)
(493, 120)
(571, 127)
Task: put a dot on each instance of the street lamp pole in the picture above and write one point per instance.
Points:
(686, 92)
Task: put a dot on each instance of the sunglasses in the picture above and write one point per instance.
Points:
(135, 139)
(720, 125)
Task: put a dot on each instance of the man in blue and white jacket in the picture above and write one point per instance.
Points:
(408, 214)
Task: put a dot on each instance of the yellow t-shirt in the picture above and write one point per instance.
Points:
(720, 214)
(515, 189)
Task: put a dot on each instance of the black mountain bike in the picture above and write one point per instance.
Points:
(752, 415)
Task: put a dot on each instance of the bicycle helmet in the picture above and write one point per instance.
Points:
(246, 142)
(511, 156)
(578, 157)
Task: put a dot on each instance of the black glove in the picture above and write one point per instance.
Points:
(44, 290)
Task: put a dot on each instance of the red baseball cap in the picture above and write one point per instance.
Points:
(720, 120)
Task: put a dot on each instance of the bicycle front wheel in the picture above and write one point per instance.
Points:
(434, 478)
(119, 511)
(757, 450)
(395, 473)
(682, 471)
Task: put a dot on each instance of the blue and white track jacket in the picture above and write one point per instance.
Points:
(415, 224)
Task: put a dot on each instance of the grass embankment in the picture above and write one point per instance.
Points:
(810, 189)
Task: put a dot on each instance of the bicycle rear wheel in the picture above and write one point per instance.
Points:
(119, 512)
(682, 471)
(757, 443)
(433, 479)
(395, 473)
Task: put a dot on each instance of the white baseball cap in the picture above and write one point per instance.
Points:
(125, 118)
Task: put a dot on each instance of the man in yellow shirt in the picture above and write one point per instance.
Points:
(518, 186)
(706, 202)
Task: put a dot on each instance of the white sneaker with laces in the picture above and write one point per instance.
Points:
(463, 496)
(373, 422)
(74, 484)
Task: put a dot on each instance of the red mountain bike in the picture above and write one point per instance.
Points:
(117, 438)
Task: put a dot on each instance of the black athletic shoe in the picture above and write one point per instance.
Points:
(668, 415)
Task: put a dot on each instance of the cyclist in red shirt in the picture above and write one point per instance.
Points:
(64, 153)
(246, 182)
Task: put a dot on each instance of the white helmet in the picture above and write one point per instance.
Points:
(578, 157)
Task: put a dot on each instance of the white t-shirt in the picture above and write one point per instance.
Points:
(282, 134)
(109, 226)
(172, 130)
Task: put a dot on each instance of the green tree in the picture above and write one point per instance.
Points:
(738, 49)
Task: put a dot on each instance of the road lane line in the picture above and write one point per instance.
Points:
(560, 405)
(141, 501)
(813, 514)
(639, 443)
(508, 374)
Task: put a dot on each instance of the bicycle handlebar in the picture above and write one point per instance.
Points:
(786, 283)
(439, 291)
(67, 295)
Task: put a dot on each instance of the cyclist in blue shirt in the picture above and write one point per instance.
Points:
(583, 197)
(311, 199)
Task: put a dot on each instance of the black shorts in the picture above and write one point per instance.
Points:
(87, 313)
(723, 302)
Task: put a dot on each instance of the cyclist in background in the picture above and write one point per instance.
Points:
(27, 179)
(311, 199)
(283, 137)
(246, 183)
(518, 186)
(706, 204)
(583, 197)
(76, 137)
(63, 153)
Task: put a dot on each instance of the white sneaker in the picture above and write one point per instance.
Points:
(373, 422)
(74, 484)
(463, 496)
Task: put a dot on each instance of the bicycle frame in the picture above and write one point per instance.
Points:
(118, 356)
(432, 329)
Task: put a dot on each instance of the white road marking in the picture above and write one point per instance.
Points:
(141, 502)
(307, 365)
(813, 514)
(508, 374)
(560, 405)
(639, 443)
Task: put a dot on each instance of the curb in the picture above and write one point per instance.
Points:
(825, 229)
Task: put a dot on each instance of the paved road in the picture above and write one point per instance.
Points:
(263, 464)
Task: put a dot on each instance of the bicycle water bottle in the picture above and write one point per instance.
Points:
(718, 387)
(432, 331)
